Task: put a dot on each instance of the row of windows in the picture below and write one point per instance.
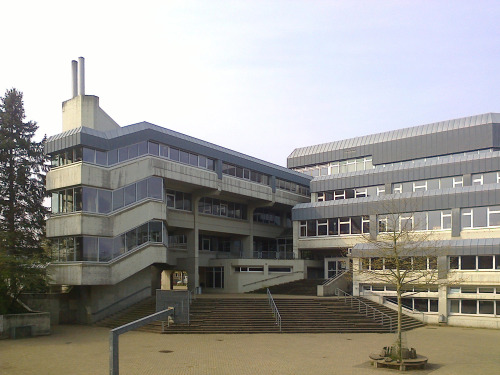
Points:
(474, 289)
(293, 187)
(474, 262)
(443, 158)
(221, 244)
(415, 263)
(178, 200)
(177, 241)
(333, 195)
(418, 304)
(335, 226)
(214, 277)
(336, 167)
(480, 217)
(211, 206)
(104, 249)
(475, 307)
(425, 185)
(266, 216)
(103, 201)
(244, 173)
(107, 158)
(261, 269)
(426, 220)
(406, 288)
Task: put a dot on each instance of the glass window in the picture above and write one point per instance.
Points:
(311, 228)
(155, 231)
(143, 148)
(142, 189)
(466, 220)
(104, 198)
(122, 154)
(112, 157)
(90, 249)
(105, 249)
(480, 217)
(131, 239)
(468, 262)
(88, 155)
(455, 306)
(356, 225)
(118, 199)
(130, 194)
(142, 234)
(486, 307)
(344, 225)
(174, 154)
(55, 203)
(89, 199)
(163, 151)
(469, 306)
(184, 157)
(179, 200)
(133, 151)
(202, 161)
(193, 159)
(322, 227)
(210, 164)
(453, 263)
(494, 216)
(155, 187)
(101, 157)
(118, 246)
(446, 219)
(171, 199)
(485, 262)
(433, 305)
(434, 220)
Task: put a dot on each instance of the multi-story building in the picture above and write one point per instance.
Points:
(449, 174)
(134, 207)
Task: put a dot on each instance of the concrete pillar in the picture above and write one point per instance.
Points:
(193, 261)
(314, 197)
(155, 279)
(166, 279)
(373, 227)
(248, 240)
(296, 232)
(442, 265)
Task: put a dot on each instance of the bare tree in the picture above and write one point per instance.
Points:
(402, 255)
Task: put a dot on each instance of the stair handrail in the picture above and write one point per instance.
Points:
(333, 278)
(272, 278)
(274, 308)
(373, 311)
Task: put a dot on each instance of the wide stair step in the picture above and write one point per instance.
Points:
(304, 287)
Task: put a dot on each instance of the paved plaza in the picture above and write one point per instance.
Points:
(85, 350)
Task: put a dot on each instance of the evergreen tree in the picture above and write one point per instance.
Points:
(22, 191)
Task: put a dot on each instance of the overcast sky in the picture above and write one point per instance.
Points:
(259, 77)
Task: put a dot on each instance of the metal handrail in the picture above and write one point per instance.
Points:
(272, 278)
(333, 278)
(368, 310)
(274, 308)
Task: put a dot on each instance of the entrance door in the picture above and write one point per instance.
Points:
(336, 266)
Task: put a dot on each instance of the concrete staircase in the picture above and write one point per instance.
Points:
(248, 314)
(303, 287)
(407, 322)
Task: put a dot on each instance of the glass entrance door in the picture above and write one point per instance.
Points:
(336, 266)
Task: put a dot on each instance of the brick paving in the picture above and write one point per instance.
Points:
(84, 350)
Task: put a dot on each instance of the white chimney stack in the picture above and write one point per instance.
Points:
(81, 76)
(74, 78)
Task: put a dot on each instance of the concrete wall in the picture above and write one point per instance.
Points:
(38, 321)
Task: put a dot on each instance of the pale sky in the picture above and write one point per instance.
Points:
(259, 77)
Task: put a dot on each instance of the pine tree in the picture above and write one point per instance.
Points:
(22, 191)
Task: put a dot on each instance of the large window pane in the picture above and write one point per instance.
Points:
(485, 262)
(455, 306)
(118, 246)
(142, 189)
(486, 307)
(155, 187)
(89, 249)
(480, 217)
(78, 199)
(142, 235)
(155, 231)
(88, 155)
(179, 200)
(105, 249)
(174, 154)
(131, 238)
(130, 194)
(433, 305)
(55, 203)
(356, 225)
(101, 158)
(469, 306)
(122, 154)
(143, 148)
(89, 199)
(468, 262)
(133, 151)
(184, 157)
(154, 148)
(112, 157)
(104, 199)
(118, 196)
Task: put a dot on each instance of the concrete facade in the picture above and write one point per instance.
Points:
(129, 203)
(445, 177)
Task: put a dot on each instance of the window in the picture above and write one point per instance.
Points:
(380, 190)
(477, 179)
(419, 186)
(458, 181)
(397, 188)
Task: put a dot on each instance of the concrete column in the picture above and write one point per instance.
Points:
(442, 265)
(388, 188)
(373, 227)
(193, 261)
(272, 183)
(467, 179)
(155, 279)
(314, 197)
(218, 168)
(248, 240)
(296, 232)
(455, 222)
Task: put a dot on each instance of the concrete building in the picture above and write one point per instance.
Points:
(449, 174)
(134, 207)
